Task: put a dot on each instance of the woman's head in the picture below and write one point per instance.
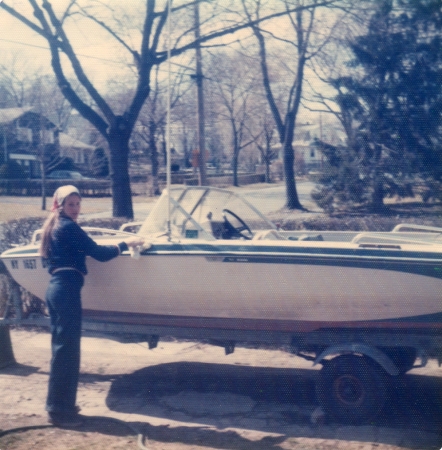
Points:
(67, 200)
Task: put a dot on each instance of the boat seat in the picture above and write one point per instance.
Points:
(217, 229)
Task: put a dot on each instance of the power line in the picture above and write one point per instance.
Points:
(25, 44)
(126, 64)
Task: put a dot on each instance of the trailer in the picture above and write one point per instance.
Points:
(364, 305)
(358, 365)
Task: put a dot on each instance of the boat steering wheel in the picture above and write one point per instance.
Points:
(232, 231)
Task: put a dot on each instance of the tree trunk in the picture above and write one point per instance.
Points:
(289, 174)
(267, 175)
(6, 352)
(377, 199)
(119, 135)
(235, 167)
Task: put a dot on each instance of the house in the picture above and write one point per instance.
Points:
(28, 138)
(25, 137)
(78, 151)
(306, 155)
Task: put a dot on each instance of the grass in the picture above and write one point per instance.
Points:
(14, 208)
(11, 210)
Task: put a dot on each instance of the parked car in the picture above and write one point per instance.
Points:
(66, 175)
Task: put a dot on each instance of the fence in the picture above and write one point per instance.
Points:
(102, 188)
(190, 179)
(87, 188)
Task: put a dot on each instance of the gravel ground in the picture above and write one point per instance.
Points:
(187, 395)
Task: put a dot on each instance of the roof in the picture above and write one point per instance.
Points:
(8, 115)
(67, 141)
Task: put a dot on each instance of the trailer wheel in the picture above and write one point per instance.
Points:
(352, 389)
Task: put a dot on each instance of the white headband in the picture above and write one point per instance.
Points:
(60, 195)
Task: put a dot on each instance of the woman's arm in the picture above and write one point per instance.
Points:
(103, 252)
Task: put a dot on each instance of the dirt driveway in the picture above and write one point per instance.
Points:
(186, 395)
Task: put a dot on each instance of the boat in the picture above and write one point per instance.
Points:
(213, 261)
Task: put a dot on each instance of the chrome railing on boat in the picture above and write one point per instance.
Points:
(91, 231)
(411, 226)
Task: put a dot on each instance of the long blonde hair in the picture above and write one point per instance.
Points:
(46, 235)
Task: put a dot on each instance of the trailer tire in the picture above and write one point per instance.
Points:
(352, 389)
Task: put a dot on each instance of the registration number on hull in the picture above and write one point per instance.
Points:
(29, 264)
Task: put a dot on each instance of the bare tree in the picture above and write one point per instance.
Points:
(264, 142)
(185, 136)
(304, 43)
(152, 120)
(117, 126)
(233, 80)
(23, 87)
(15, 81)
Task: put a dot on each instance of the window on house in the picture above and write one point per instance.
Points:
(24, 134)
(47, 136)
(79, 157)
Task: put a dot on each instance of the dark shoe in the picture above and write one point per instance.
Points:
(63, 421)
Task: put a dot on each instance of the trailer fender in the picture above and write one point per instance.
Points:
(374, 353)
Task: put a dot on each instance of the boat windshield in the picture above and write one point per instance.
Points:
(195, 212)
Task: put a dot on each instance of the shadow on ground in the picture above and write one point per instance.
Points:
(265, 400)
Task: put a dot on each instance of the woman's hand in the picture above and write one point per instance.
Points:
(136, 245)
(135, 242)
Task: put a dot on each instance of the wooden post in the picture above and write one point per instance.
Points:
(6, 352)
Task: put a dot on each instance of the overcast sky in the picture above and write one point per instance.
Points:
(102, 58)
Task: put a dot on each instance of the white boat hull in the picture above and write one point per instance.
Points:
(253, 287)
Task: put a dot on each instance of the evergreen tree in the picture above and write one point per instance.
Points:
(391, 108)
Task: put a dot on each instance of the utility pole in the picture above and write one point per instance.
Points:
(40, 150)
(200, 103)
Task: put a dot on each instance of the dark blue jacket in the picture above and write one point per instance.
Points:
(70, 245)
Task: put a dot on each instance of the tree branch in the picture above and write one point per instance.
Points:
(162, 56)
(134, 53)
(24, 20)
(68, 50)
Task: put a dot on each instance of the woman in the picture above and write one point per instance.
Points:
(65, 246)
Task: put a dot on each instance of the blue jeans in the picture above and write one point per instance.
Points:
(63, 298)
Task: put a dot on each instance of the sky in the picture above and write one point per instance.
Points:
(100, 55)
(102, 58)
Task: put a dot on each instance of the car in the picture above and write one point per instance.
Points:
(66, 175)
